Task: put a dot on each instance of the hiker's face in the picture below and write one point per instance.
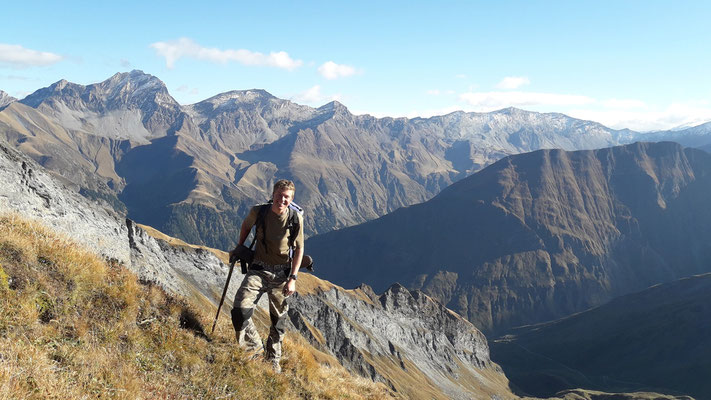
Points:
(282, 199)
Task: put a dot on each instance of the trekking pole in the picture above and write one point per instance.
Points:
(224, 292)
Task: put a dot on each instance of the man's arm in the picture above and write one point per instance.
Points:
(290, 286)
(245, 228)
(244, 232)
(296, 260)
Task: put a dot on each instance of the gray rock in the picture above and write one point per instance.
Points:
(5, 99)
(399, 332)
(28, 190)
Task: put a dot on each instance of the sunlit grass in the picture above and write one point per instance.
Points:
(75, 326)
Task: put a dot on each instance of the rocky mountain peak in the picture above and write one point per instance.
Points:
(60, 84)
(6, 99)
(334, 106)
(133, 89)
(334, 109)
(511, 111)
(235, 99)
(135, 79)
(61, 89)
(397, 296)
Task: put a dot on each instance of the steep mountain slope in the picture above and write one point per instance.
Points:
(194, 170)
(195, 273)
(74, 326)
(404, 339)
(658, 339)
(541, 235)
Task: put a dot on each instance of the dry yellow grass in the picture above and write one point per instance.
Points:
(73, 326)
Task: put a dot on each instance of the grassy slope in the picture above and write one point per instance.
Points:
(73, 326)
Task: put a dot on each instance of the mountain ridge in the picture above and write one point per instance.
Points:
(348, 168)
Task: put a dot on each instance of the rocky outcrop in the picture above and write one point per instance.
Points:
(27, 189)
(5, 99)
(400, 334)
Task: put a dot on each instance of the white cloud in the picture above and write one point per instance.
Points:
(330, 70)
(624, 103)
(314, 96)
(673, 116)
(489, 101)
(437, 92)
(17, 78)
(20, 57)
(187, 89)
(184, 47)
(513, 82)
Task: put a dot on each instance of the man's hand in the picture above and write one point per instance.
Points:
(290, 287)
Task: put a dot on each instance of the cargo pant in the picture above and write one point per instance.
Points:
(260, 280)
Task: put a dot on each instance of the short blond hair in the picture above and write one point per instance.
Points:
(283, 184)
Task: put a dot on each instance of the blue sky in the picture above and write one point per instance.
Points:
(643, 65)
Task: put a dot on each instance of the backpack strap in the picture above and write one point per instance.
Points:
(261, 217)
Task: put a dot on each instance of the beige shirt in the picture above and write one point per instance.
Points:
(277, 239)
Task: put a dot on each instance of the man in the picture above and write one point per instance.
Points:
(273, 271)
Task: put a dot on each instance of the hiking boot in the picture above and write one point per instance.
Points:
(276, 367)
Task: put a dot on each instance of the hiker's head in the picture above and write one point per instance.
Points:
(282, 195)
(283, 184)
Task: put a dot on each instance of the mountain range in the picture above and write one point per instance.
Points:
(565, 211)
(193, 171)
(539, 236)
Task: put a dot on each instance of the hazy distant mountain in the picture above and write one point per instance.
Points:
(658, 339)
(5, 99)
(540, 235)
(697, 136)
(193, 171)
